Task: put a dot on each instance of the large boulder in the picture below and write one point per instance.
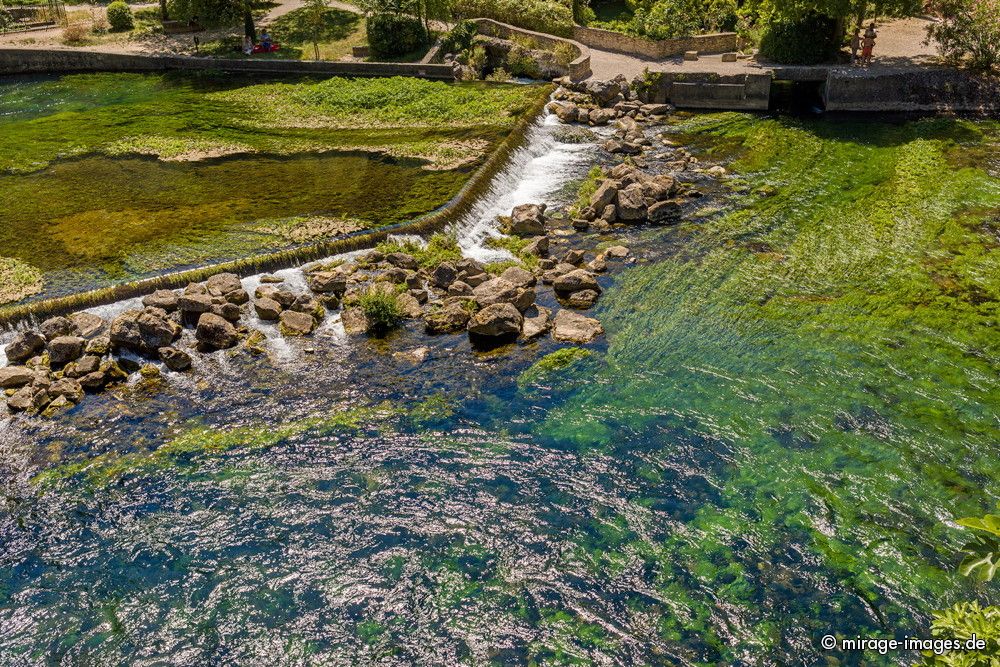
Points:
(605, 195)
(496, 290)
(216, 333)
(84, 366)
(518, 277)
(665, 212)
(87, 324)
(268, 310)
(539, 246)
(500, 320)
(632, 204)
(15, 377)
(444, 275)
(164, 299)
(409, 305)
(68, 388)
(555, 272)
(604, 93)
(294, 323)
(156, 330)
(24, 346)
(576, 281)
(449, 318)
(570, 327)
(581, 300)
(327, 282)
(57, 326)
(402, 260)
(528, 220)
(174, 359)
(65, 349)
(471, 271)
(195, 303)
(222, 284)
(538, 324)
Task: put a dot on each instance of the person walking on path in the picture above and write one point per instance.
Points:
(868, 45)
(855, 45)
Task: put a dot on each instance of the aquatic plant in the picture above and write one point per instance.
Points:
(18, 280)
(961, 622)
(440, 247)
(551, 363)
(381, 309)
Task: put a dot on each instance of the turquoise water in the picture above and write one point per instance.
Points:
(796, 397)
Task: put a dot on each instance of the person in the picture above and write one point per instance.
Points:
(265, 41)
(247, 45)
(868, 45)
(855, 46)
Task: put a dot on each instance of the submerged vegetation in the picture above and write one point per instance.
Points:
(175, 154)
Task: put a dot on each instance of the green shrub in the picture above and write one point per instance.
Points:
(381, 309)
(521, 62)
(808, 41)
(961, 622)
(440, 248)
(120, 17)
(669, 19)
(459, 38)
(395, 34)
(550, 16)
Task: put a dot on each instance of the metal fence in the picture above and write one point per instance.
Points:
(24, 18)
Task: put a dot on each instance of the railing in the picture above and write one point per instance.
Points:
(22, 19)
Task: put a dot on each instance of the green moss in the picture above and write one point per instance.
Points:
(587, 189)
(18, 280)
(515, 246)
(439, 248)
(552, 363)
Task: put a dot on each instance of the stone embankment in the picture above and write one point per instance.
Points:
(55, 365)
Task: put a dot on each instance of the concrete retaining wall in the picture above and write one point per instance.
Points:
(579, 69)
(747, 92)
(31, 61)
(607, 40)
(913, 90)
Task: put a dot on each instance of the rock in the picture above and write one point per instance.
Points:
(528, 220)
(420, 295)
(599, 117)
(113, 370)
(518, 277)
(582, 300)
(730, 57)
(575, 281)
(716, 171)
(24, 346)
(539, 246)
(609, 215)
(581, 224)
(402, 260)
(65, 349)
(238, 297)
(163, 299)
(395, 275)
(597, 265)
(15, 377)
(27, 398)
(354, 321)
(444, 275)
(327, 282)
(155, 331)
(605, 195)
(94, 381)
(477, 280)
(567, 112)
(494, 291)
(271, 279)
(690, 55)
(87, 324)
(99, 346)
(546, 264)
(309, 306)
(450, 318)
(468, 267)
(174, 359)
(534, 327)
(54, 327)
(195, 303)
(574, 257)
(604, 92)
(414, 280)
(196, 288)
(656, 109)
(616, 252)
(459, 288)
(68, 388)
(228, 311)
(216, 333)
(617, 147)
(85, 366)
(284, 297)
(268, 310)
(294, 323)
(558, 270)
(632, 204)
(665, 212)
(222, 284)
(499, 320)
(409, 305)
(570, 327)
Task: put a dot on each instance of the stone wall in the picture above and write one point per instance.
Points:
(747, 92)
(579, 69)
(607, 40)
(944, 90)
(32, 61)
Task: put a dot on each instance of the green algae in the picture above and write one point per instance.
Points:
(189, 173)
(833, 338)
(18, 280)
(545, 368)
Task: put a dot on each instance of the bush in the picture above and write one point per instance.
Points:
(75, 33)
(381, 309)
(808, 41)
(669, 19)
(120, 17)
(969, 32)
(459, 38)
(395, 34)
(521, 62)
(551, 16)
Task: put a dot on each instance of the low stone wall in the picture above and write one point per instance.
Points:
(579, 69)
(34, 61)
(608, 40)
(747, 92)
(943, 90)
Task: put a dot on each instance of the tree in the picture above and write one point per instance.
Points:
(842, 10)
(316, 18)
(969, 31)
